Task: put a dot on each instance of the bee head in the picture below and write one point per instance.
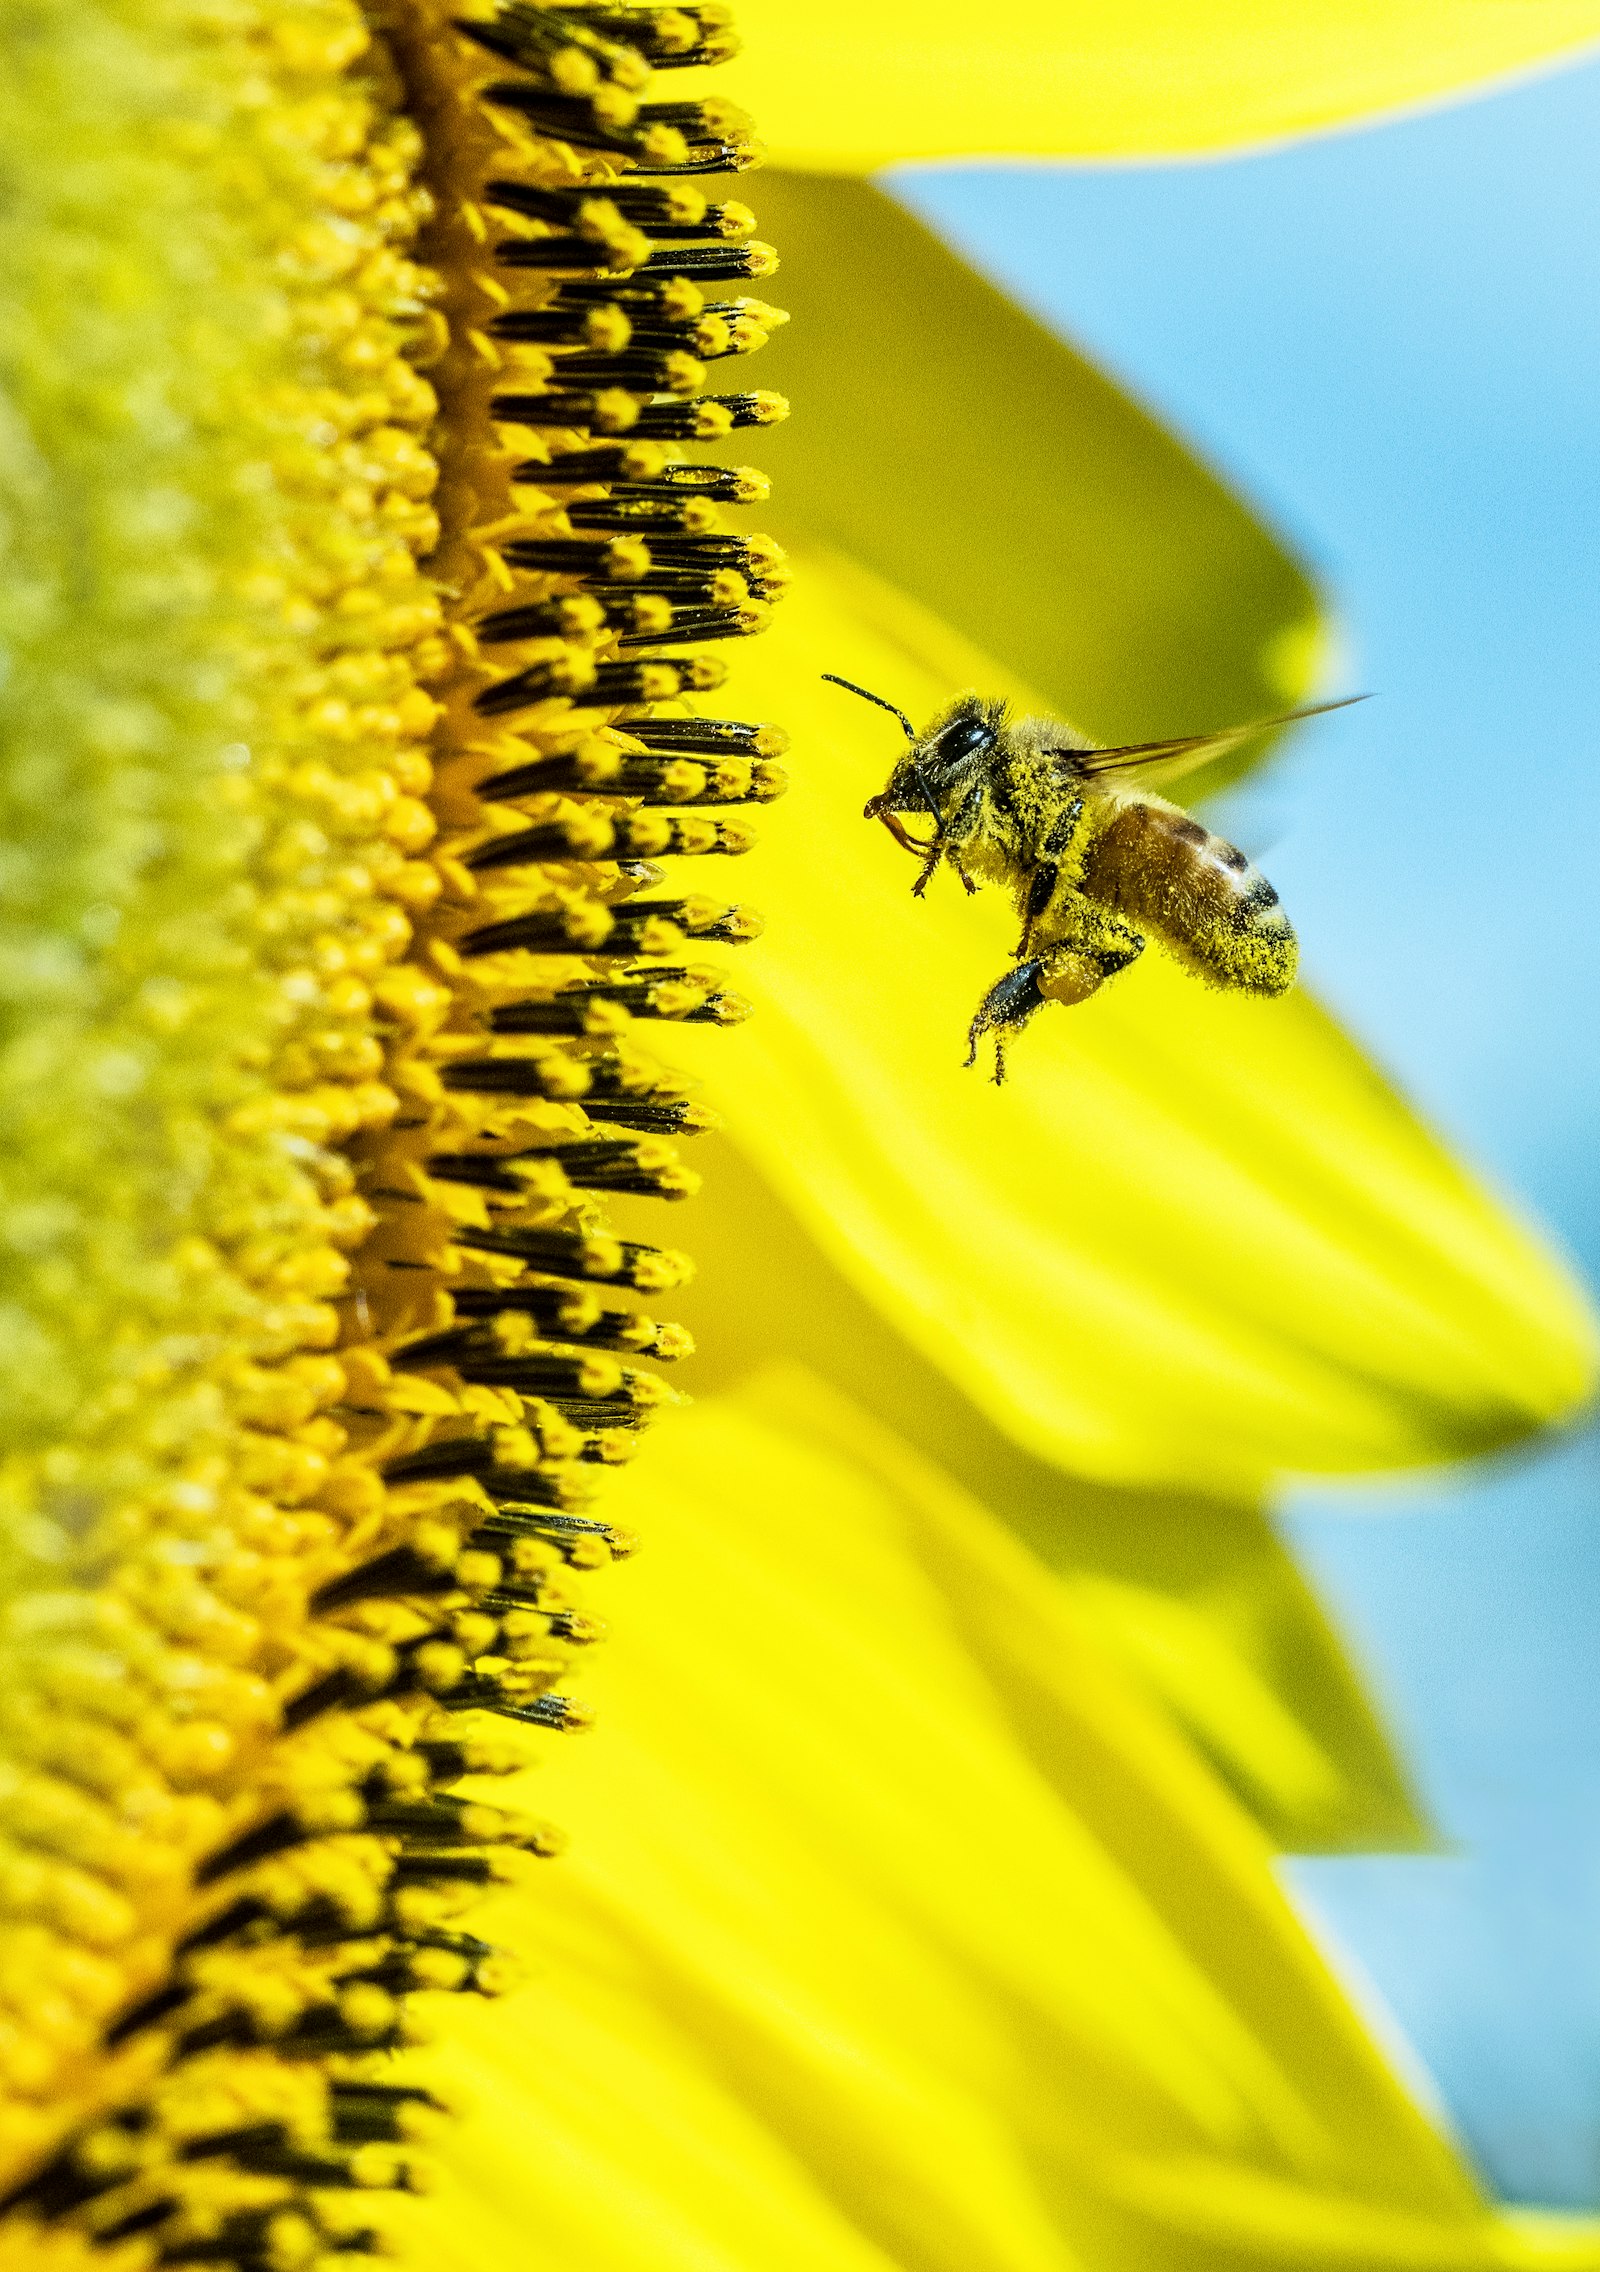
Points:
(942, 757)
(935, 773)
(933, 764)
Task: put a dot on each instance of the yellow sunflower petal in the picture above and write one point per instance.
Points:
(1196, 1596)
(1196, 1238)
(899, 1932)
(962, 452)
(1188, 1656)
(848, 89)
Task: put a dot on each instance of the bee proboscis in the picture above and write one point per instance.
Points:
(1095, 860)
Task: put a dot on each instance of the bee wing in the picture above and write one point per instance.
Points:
(1170, 760)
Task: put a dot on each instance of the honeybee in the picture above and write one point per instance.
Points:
(1093, 858)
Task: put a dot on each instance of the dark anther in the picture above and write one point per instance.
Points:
(275, 1836)
(708, 736)
(481, 1694)
(644, 370)
(651, 678)
(571, 1254)
(752, 557)
(241, 1916)
(435, 1348)
(575, 556)
(557, 325)
(551, 842)
(436, 1821)
(447, 1869)
(148, 2012)
(678, 1117)
(721, 158)
(567, 1012)
(604, 461)
(373, 2114)
(604, 686)
(721, 484)
(612, 609)
(657, 33)
(333, 1691)
(145, 2219)
(730, 926)
(62, 2185)
(618, 774)
(480, 1170)
(608, 412)
(565, 118)
(237, 2143)
(533, 38)
(532, 1522)
(527, 1486)
(664, 512)
(456, 1455)
(569, 251)
(669, 212)
(711, 264)
(402, 1570)
(690, 626)
(551, 932)
(548, 1310)
(547, 1373)
(685, 421)
(599, 1164)
(500, 1076)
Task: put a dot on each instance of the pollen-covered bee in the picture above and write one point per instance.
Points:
(1093, 858)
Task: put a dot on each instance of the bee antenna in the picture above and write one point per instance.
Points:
(851, 687)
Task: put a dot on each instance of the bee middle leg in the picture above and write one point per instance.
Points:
(1040, 893)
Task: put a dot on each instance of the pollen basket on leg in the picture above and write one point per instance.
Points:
(240, 1819)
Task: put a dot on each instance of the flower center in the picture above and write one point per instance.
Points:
(236, 1823)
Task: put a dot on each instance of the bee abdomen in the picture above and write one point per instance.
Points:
(1196, 891)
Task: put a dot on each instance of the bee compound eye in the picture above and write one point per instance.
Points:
(963, 738)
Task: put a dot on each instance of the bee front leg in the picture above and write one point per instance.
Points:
(956, 830)
(935, 855)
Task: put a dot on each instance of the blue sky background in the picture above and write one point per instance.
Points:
(1390, 340)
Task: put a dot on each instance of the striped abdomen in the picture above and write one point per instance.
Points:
(1196, 891)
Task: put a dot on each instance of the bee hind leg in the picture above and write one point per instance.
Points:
(1071, 974)
(1006, 1008)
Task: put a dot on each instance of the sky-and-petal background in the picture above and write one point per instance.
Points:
(1390, 341)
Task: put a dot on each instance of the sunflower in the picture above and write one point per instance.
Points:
(375, 524)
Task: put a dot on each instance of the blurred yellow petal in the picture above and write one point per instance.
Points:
(1214, 1689)
(974, 461)
(1158, 600)
(900, 1932)
(848, 89)
(1195, 1238)
(1197, 1596)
